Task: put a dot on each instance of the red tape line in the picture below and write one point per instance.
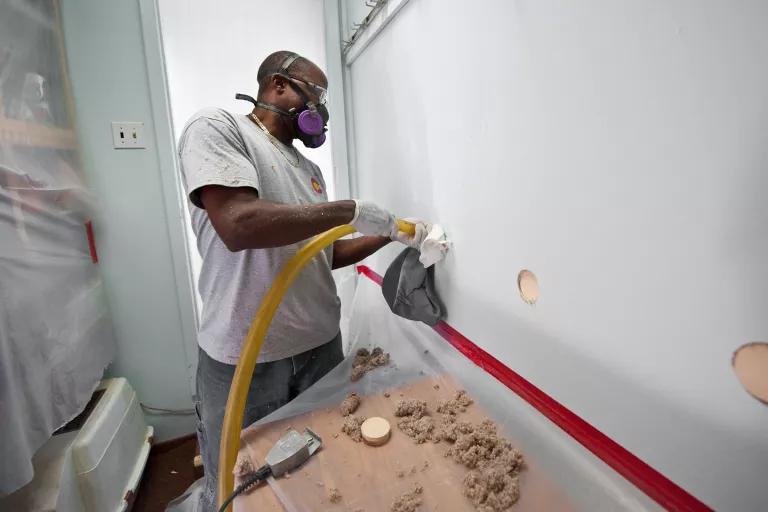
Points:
(658, 487)
(91, 241)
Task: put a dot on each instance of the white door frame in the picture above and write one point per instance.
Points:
(173, 197)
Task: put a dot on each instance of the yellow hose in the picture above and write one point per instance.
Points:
(238, 391)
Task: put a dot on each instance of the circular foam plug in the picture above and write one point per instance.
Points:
(528, 286)
(375, 431)
(750, 362)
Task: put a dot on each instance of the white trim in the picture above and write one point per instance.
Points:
(350, 122)
(339, 77)
(369, 31)
(335, 72)
(335, 19)
(165, 145)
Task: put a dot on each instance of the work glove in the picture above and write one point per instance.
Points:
(415, 241)
(371, 219)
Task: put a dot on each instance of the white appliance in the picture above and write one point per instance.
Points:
(98, 466)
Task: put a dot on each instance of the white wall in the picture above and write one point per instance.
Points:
(139, 261)
(619, 151)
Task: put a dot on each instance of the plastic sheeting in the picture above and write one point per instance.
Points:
(560, 471)
(55, 334)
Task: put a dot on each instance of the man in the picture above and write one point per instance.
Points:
(255, 199)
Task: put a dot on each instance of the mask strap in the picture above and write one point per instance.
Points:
(284, 71)
(287, 62)
(263, 105)
(268, 106)
(240, 96)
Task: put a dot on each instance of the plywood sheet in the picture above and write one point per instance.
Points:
(367, 477)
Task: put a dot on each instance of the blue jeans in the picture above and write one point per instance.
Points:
(274, 384)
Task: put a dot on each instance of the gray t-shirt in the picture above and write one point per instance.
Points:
(219, 148)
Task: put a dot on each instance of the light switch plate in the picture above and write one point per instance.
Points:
(128, 135)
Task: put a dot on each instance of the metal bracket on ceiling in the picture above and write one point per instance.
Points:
(358, 28)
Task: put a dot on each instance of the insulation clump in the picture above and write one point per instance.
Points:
(413, 420)
(492, 484)
(450, 429)
(351, 427)
(411, 407)
(483, 446)
(421, 430)
(366, 361)
(334, 496)
(492, 489)
(243, 466)
(454, 406)
(409, 501)
(349, 404)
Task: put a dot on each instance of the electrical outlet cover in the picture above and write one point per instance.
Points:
(128, 135)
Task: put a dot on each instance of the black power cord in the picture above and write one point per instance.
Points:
(254, 478)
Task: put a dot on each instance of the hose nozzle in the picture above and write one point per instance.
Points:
(406, 227)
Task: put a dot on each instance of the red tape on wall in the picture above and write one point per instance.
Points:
(91, 241)
(658, 487)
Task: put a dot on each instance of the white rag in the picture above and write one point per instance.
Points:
(434, 247)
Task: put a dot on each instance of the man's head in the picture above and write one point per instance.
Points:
(294, 88)
(275, 79)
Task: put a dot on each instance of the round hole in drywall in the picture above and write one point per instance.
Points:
(528, 286)
(750, 363)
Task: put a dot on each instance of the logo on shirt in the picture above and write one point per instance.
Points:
(316, 186)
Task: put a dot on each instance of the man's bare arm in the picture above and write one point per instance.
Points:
(349, 252)
(243, 221)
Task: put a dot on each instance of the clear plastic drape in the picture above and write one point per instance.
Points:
(560, 474)
(55, 334)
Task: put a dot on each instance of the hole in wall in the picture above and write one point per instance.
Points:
(750, 363)
(528, 286)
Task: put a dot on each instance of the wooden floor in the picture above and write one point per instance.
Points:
(169, 472)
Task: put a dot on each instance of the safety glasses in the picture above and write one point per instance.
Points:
(322, 92)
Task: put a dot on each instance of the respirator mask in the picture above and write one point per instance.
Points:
(309, 121)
